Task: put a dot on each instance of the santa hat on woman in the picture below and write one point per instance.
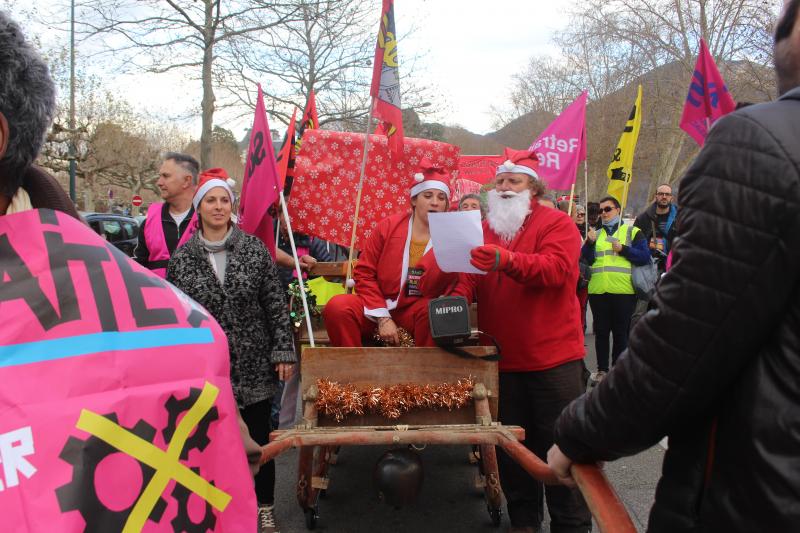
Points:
(430, 176)
(213, 177)
(519, 162)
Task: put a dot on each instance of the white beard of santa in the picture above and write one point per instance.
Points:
(507, 212)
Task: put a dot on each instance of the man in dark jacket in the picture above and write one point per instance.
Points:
(716, 365)
(657, 224)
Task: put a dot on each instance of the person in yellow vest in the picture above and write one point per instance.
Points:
(611, 251)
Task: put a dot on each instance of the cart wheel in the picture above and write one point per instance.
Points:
(311, 518)
(496, 515)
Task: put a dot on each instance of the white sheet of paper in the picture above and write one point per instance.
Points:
(453, 235)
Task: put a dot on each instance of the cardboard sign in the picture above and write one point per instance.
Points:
(117, 409)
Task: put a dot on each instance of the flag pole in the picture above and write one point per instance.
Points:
(571, 196)
(586, 199)
(358, 199)
(277, 231)
(297, 269)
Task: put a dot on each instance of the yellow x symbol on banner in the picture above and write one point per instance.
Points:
(165, 463)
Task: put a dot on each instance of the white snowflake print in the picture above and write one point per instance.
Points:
(336, 180)
(324, 221)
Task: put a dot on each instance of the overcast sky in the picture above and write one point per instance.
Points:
(469, 51)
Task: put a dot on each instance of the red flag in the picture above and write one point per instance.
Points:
(385, 89)
(286, 154)
(260, 186)
(708, 97)
(326, 178)
(310, 118)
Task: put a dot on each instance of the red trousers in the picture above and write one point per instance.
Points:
(347, 325)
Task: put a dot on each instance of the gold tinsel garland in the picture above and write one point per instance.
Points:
(340, 401)
(406, 339)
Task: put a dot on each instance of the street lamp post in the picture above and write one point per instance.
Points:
(72, 149)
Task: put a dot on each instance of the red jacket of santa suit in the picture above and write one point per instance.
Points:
(531, 307)
(383, 266)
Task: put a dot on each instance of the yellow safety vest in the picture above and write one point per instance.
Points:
(611, 273)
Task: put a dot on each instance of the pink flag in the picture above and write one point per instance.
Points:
(260, 186)
(562, 146)
(708, 97)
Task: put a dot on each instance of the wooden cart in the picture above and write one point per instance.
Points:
(318, 436)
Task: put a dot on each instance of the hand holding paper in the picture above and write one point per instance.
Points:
(454, 235)
(490, 257)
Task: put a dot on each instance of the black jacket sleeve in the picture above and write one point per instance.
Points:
(734, 265)
(141, 254)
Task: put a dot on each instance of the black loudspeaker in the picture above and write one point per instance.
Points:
(449, 319)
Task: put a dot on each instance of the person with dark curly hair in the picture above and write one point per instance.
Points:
(27, 106)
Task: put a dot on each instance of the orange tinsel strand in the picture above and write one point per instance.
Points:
(340, 401)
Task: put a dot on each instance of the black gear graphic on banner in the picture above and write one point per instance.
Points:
(199, 440)
(80, 493)
(182, 522)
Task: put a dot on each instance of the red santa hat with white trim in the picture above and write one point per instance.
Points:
(519, 162)
(208, 179)
(430, 176)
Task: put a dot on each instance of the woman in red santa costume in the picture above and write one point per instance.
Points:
(388, 272)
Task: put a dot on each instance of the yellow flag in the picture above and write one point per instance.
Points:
(620, 170)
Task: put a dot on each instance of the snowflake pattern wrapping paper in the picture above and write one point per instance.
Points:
(323, 199)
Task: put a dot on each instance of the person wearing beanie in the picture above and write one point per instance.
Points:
(388, 271)
(232, 275)
(526, 301)
(170, 223)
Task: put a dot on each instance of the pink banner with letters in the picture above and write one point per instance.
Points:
(116, 406)
(562, 145)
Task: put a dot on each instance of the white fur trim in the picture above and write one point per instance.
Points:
(430, 184)
(419, 177)
(231, 182)
(207, 186)
(508, 166)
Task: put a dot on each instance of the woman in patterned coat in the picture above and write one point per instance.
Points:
(232, 275)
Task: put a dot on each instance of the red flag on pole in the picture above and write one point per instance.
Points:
(708, 97)
(310, 118)
(286, 154)
(260, 186)
(385, 89)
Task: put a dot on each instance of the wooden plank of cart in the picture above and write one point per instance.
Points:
(318, 436)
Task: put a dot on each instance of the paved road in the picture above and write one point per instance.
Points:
(448, 502)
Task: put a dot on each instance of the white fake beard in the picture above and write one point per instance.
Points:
(507, 212)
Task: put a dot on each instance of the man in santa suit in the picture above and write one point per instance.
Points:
(388, 272)
(527, 302)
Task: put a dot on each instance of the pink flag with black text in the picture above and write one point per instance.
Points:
(261, 183)
(708, 97)
(562, 145)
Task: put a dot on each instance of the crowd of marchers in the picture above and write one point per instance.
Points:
(709, 356)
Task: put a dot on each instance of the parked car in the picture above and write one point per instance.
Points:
(120, 230)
